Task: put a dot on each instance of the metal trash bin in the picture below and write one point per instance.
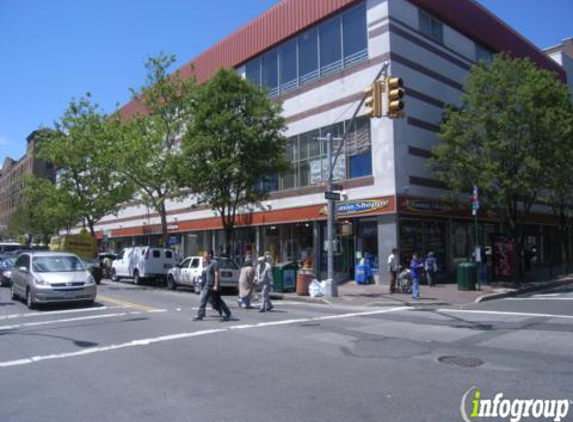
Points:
(467, 273)
(284, 277)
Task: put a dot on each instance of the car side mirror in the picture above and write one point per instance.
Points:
(24, 269)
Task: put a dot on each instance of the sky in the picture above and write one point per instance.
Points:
(52, 51)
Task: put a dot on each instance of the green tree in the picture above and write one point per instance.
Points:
(502, 137)
(45, 209)
(149, 150)
(234, 142)
(81, 147)
(559, 181)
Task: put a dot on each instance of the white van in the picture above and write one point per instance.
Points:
(143, 262)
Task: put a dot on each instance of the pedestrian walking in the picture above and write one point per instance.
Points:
(264, 278)
(211, 288)
(246, 284)
(393, 268)
(431, 268)
(415, 268)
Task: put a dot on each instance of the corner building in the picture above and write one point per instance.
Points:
(317, 57)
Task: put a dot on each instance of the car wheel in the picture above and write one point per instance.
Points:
(13, 294)
(29, 299)
(114, 276)
(171, 283)
(136, 278)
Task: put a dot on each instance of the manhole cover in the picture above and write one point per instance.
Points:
(461, 361)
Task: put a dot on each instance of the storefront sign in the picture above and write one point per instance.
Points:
(425, 205)
(362, 206)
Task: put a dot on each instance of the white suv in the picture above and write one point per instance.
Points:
(143, 262)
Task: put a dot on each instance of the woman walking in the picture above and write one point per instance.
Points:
(416, 267)
(246, 284)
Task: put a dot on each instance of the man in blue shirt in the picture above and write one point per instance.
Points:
(416, 267)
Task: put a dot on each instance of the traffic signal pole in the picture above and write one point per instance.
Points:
(332, 157)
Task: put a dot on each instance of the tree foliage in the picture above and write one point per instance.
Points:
(45, 209)
(504, 137)
(149, 152)
(80, 147)
(234, 142)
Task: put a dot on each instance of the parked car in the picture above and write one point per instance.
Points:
(143, 262)
(6, 264)
(188, 273)
(51, 277)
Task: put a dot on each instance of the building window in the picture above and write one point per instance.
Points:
(288, 66)
(431, 27)
(335, 44)
(308, 56)
(482, 53)
(330, 47)
(354, 35)
(271, 72)
(308, 155)
(253, 71)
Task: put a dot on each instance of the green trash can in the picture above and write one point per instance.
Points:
(467, 276)
(284, 277)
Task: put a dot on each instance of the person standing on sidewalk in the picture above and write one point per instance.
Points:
(393, 268)
(210, 288)
(264, 278)
(416, 266)
(431, 267)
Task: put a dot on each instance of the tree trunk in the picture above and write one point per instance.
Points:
(228, 240)
(163, 214)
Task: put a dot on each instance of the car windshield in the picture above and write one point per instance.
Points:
(57, 264)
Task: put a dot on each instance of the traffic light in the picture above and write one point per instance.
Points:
(374, 100)
(395, 93)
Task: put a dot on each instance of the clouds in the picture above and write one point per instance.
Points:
(4, 140)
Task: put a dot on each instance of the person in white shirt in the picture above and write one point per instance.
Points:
(264, 278)
(393, 268)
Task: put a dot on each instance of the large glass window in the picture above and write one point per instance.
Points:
(253, 71)
(358, 149)
(431, 27)
(330, 47)
(354, 35)
(270, 72)
(308, 56)
(339, 42)
(288, 61)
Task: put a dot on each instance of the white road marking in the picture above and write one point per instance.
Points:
(469, 311)
(68, 311)
(149, 341)
(86, 318)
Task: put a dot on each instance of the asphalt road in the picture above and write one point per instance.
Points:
(138, 356)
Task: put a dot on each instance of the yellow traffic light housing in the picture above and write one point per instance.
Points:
(394, 94)
(373, 100)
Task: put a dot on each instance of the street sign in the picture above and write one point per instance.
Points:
(335, 196)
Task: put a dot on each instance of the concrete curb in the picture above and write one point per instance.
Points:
(307, 299)
(525, 290)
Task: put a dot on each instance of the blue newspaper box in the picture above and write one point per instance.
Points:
(362, 274)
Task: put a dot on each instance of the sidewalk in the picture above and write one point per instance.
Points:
(354, 294)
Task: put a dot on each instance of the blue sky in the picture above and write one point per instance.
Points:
(54, 50)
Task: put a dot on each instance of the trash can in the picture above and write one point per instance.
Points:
(284, 277)
(467, 276)
(303, 280)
